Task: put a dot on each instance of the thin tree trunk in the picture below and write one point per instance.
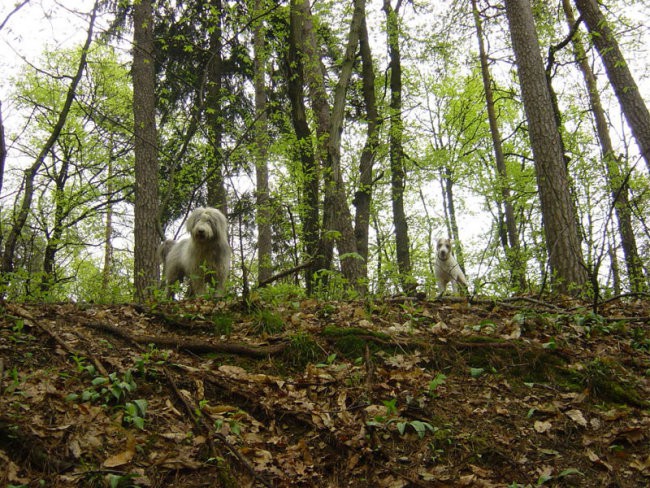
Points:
(363, 196)
(619, 74)
(617, 178)
(146, 229)
(450, 210)
(3, 150)
(310, 183)
(563, 245)
(108, 234)
(30, 173)
(396, 151)
(217, 194)
(511, 247)
(264, 235)
(54, 239)
(337, 214)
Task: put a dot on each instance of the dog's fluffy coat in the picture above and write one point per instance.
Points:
(203, 258)
(447, 268)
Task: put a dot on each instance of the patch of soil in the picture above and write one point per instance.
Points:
(390, 393)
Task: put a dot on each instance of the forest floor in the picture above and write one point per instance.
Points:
(396, 392)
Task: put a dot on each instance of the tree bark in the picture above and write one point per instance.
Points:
(310, 182)
(3, 150)
(363, 196)
(450, 214)
(22, 213)
(217, 196)
(146, 230)
(107, 269)
(54, 238)
(511, 247)
(616, 174)
(619, 74)
(329, 124)
(568, 272)
(264, 235)
(396, 150)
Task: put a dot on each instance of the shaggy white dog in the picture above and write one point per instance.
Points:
(447, 268)
(204, 257)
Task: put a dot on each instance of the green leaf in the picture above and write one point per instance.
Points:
(476, 372)
(568, 472)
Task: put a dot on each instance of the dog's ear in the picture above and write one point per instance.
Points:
(191, 220)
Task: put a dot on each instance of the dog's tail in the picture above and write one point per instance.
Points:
(164, 248)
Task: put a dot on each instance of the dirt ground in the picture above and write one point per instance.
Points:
(397, 392)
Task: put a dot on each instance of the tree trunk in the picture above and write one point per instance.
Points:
(618, 180)
(54, 239)
(337, 214)
(310, 182)
(568, 272)
(511, 247)
(618, 72)
(146, 231)
(450, 215)
(217, 195)
(264, 235)
(363, 196)
(396, 151)
(107, 269)
(3, 150)
(30, 173)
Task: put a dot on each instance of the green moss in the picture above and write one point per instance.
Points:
(606, 381)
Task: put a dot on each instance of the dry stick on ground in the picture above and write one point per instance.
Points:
(24, 314)
(193, 346)
(202, 424)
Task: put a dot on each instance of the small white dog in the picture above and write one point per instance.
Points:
(204, 257)
(447, 268)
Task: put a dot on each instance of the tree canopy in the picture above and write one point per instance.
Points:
(341, 139)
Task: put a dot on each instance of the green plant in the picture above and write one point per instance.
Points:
(134, 413)
(153, 356)
(640, 339)
(267, 322)
(113, 390)
(328, 362)
(121, 480)
(420, 427)
(435, 383)
(567, 472)
(222, 324)
(302, 350)
(282, 293)
(233, 425)
(19, 336)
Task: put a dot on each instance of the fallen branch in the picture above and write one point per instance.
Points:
(193, 346)
(210, 433)
(24, 314)
(287, 272)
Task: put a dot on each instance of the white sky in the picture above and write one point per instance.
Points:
(39, 25)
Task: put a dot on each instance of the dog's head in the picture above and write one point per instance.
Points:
(444, 248)
(207, 224)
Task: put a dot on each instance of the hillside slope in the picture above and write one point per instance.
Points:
(388, 393)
